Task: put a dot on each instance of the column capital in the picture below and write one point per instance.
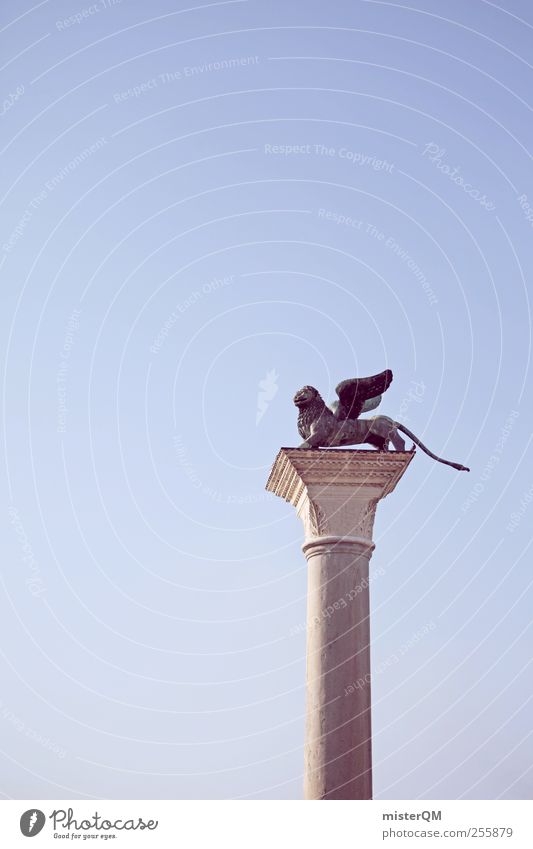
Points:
(336, 491)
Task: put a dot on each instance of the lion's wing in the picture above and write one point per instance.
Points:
(361, 394)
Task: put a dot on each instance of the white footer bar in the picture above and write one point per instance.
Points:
(267, 824)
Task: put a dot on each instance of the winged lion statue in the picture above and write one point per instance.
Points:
(339, 424)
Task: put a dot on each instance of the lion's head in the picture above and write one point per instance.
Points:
(306, 395)
(311, 408)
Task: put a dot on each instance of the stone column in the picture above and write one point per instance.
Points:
(335, 493)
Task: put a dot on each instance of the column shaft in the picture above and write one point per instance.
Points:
(338, 758)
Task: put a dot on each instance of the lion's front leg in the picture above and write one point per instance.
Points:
(312, 441)
(317, 437)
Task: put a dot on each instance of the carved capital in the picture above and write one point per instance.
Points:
(314, 518)
(336, 511)
(335, 492)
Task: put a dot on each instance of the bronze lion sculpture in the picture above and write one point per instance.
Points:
(324, 427)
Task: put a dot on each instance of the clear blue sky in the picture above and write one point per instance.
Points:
(199, 203)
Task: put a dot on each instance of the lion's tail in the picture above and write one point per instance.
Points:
(421, 445)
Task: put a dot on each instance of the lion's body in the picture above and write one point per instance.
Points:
(377, 431)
